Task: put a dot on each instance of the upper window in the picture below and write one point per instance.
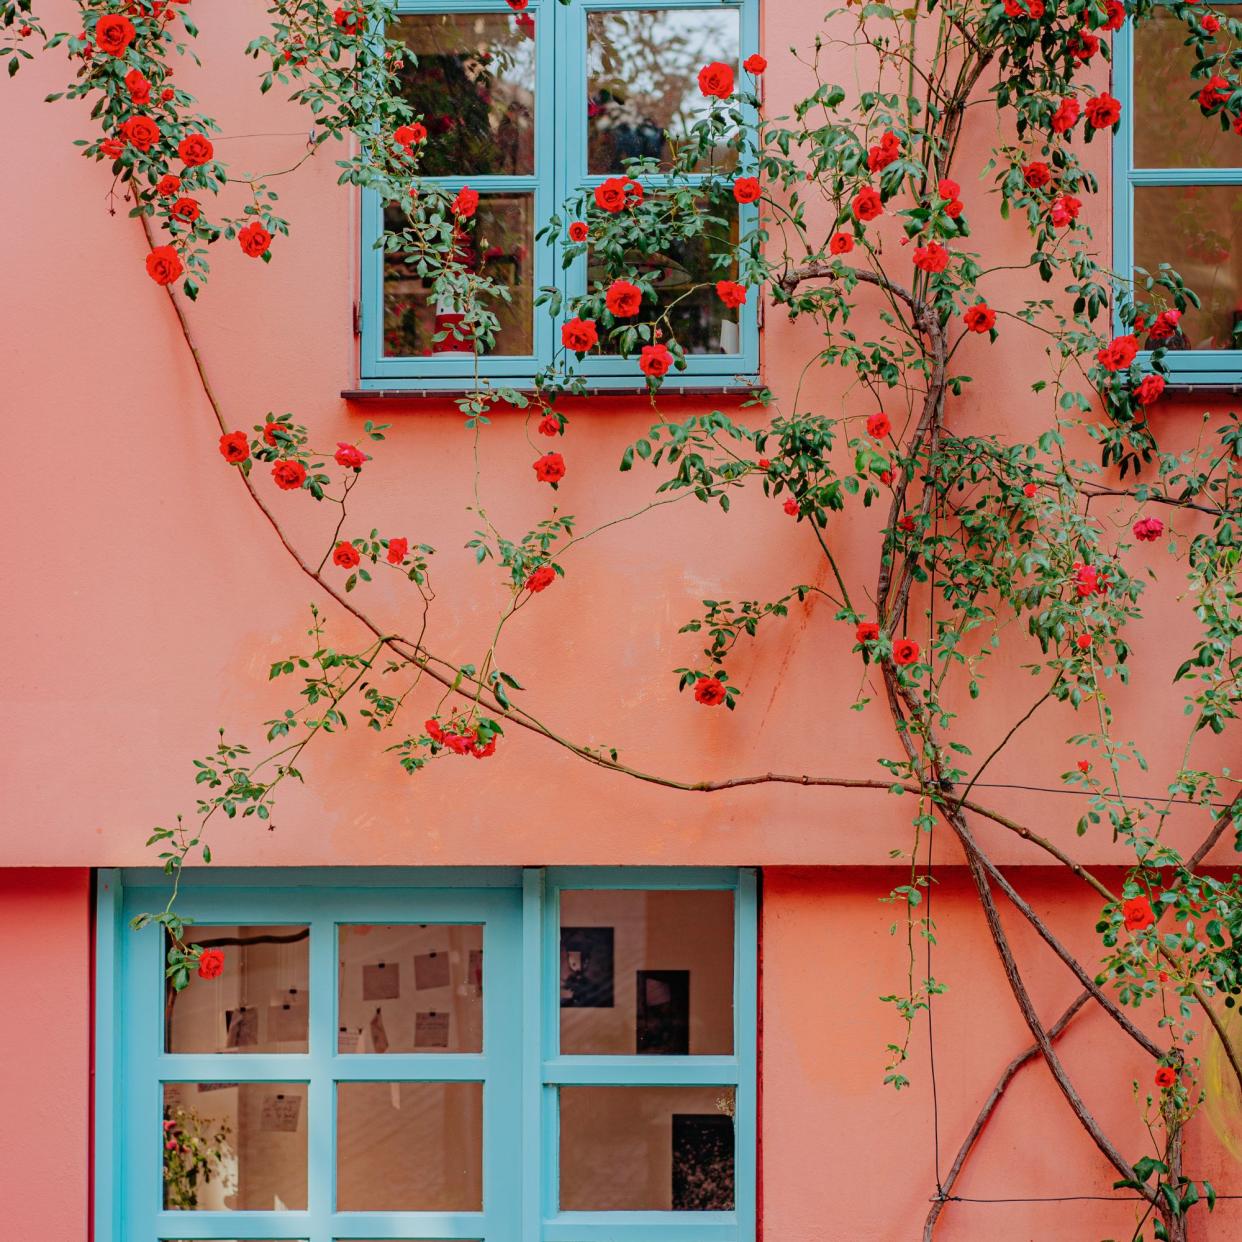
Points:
(1179, 196)
(504, 1056)
(529, 108)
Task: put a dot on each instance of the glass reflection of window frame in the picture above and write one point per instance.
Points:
(1191, 367)
(560, 170)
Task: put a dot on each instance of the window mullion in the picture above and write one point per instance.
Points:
(321, 1094)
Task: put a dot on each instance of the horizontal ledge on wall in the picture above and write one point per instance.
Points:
(413, 395)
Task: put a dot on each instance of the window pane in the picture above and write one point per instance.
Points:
(1195, 229)
(411, 988)
(474, 86)
(409, 1147)
(647, 972)
(237, 1147)
(259, 1001)
(646, 1149)
(1169, 129)
(685, 273)
(642, 81)
(496, 242)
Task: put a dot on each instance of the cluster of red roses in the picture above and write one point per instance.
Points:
(905, 650)
(459, 741)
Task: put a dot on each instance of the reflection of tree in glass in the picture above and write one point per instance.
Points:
(642, 84)
(194, 1153)
(471, 78)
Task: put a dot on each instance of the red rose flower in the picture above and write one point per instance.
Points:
(1148, 392)
(1064, 210)
(1029, 490)
(1024, 8)
(747, 190)
(349, 455)
(623, 298)
(163, 265)
(931, 258)
(905, 651)
(617, 193)
(113, 34)
(141, 132)
(579, 335)
(886, 152)
(270, 430)
(185, 209)
(1137, 913)
(549, 425)
(709, 691)
(397, 550)
(347, 19)
(655, 360)
(905, 523)
(578, 231)
(731, 293)
(979, 318)
(716, 80)
(1165, 325)
(408, 136)
(755, 64)
(790, 506)
(113, 148)
(1084, 642)
(1215, 91)
(466, 203)
(167, 185)
(867, 204)
(1083, 46)
(840, 243)
(1066, 115)
(954, 209)
(518, 5)
(1103, 111)
(1036, 174)
(948, 189)
(1166, 1076)
(1119, 353)
(867, 631)
(1148, 530)
(550, 468)
(345, 555)
(541, 579)
(254, 240)
(210, 963)
(878, 425)
(764, 464)
(1209, 23)
(195, 149)
(138, 86)
(234, 447)
(289, 475)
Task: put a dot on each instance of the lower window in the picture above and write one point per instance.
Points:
(546, 1056)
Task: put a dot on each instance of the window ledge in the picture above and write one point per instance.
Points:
(412, 395)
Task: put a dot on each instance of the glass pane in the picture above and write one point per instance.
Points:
(411, 988)
(1169, 129)
(685, 275)
(647, 972)
(258, 1003)
(409, 1146)
(648, 1149)
(237, 1147)
(472, 80)
(642, 81)
(496, 242)
(1196, 230)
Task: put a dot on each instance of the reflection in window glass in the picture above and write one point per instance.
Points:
(1196, 230)
(409, 1147)
(647, 972)
(411, 988)
(496, 242)
(642, 81)
(1170, 131)
(472, 80)
(237, 1147)
(685, 275)
(258, 1003)
(647, 1149)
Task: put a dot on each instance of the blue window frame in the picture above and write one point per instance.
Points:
(300, 1100)
(553, 59)
(1178, 196)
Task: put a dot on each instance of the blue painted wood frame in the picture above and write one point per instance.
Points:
(521, 1067)
(560, 164)
(1207, 367)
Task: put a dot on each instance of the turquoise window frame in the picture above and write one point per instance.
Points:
(1211, 368)
(560, 169)
(522, 1073)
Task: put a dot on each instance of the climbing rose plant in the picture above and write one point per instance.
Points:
(859, 217)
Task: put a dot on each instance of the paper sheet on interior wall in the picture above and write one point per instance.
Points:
(431, 1030)
(379, 1036)
(431, 970)
(280, 1113)
(241, 1027)
(349, 1039)
(287, 1021)
(381, 981)
(474, 973)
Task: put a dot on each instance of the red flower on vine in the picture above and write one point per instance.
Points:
(623, 299)
(1150, 390)
(1024, 8)
(1066, 115)
(167, 185)
(397, 550)
(1148, 530)
(579, 335)
(1084, 765)
(186, 209)
(747, 190)
(878, 425)
(1166, 1077)
(617, 193)
(138, 86)
(655, 360)
(549, 425)
(979, 318)
(347, 19)
(867, 631)
(716, 80)
(234, 447)
(345, 555)
(349, 455)
(731, 293)
(885, 152)
(164, 265)
(791, 507)
(1084, 642)
(709, 691)
(578, 231)
(408, 136)
(867, 204)
(1029, 490)
(905, 651)
(1103, 111)
(931, 258)
(1115, 15)
(840, 243)
(1209, 23)
(541, 579)
(466, 203)
(114, 34)
(289, 475)
(254, 240)
(1119, 353)
(210, 963)
(1165, 325)
(754, 64)
(1137, 913)
(550, 468)
(1064, 210)
(113, 148)
(1036, 174)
